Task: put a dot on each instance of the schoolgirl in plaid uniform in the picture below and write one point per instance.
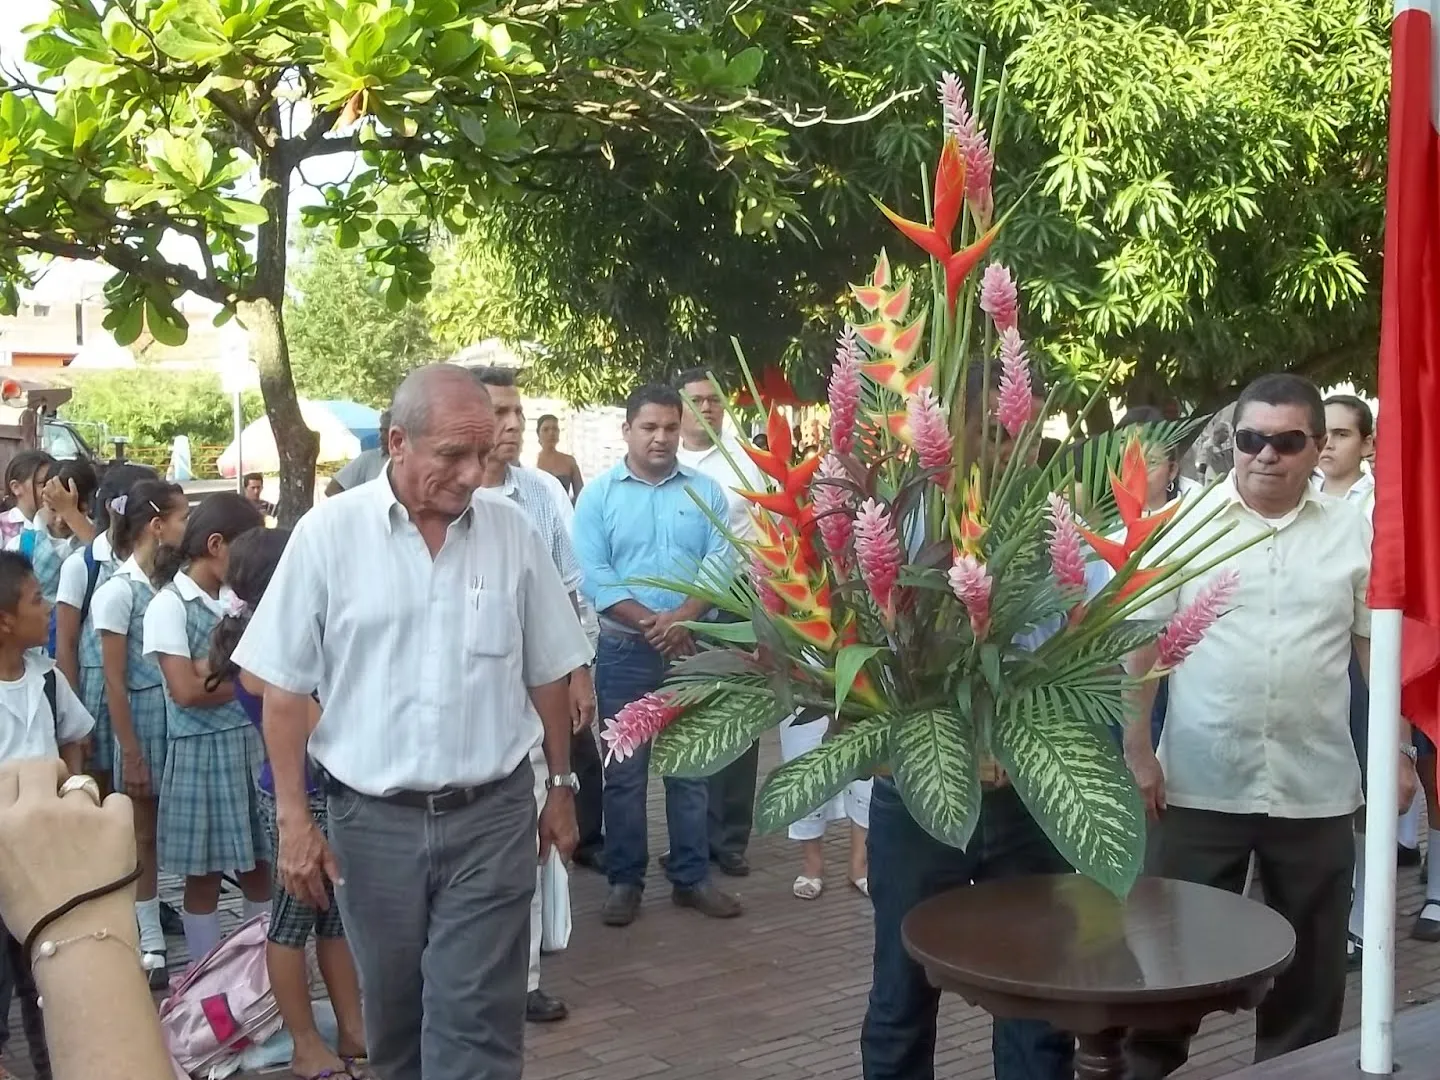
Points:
(60, 526)
(25, 476)
(77, 642)
(253, 558)
(149, 519)
(210, 820)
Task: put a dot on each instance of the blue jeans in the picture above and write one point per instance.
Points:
(626, 668)
(908, 865)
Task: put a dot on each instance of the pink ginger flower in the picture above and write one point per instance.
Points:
(999, 298)
(832, 506)
(636, 724)
(877, 549)
(1015, 403)
(1183, 632)
(845, 391)
(770, 600)
(930, 433)
(970, 582)
(961, 125)
(1067, 557)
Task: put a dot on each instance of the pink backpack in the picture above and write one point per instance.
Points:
(222, 1005)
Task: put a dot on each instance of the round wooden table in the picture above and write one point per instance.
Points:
(1064, 950)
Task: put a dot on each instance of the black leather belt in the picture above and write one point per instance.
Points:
(434, 802)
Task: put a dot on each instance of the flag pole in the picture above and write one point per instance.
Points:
(1377, 978)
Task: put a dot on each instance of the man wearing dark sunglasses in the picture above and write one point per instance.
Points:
(1256, 758)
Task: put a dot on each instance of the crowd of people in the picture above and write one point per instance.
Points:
(386, 769)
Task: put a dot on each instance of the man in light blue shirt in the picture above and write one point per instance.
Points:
(640, 520)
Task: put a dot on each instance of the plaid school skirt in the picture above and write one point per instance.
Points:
(92, 695)
(147, 714)
(210, 819)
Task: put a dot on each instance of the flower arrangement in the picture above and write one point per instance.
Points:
(929, 586)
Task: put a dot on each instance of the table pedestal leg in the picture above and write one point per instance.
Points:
(1101, 1056)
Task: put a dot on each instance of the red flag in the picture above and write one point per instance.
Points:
(1406, 561)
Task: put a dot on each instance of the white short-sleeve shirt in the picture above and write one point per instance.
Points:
(1258, 718)
(114, 602)
(29, 729)
(424, 663)
(165, 632)
(712, 462)
(74, 577)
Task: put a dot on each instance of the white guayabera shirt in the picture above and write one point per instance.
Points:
(1258, 720)
(424, 664)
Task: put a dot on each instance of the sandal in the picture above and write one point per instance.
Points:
(861, 885)
(359, 1067)
(808, 888)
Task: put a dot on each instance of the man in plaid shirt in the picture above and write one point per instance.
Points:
(548, 507)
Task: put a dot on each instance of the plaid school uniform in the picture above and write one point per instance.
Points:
(92, 676)
(145, 687)
(46, 557)
(210, 816)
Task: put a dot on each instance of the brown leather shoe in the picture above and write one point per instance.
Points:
(708, 900)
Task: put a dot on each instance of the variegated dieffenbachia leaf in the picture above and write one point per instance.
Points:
(705, 739)
(818, 775)
(932, 754)
(1068, 769)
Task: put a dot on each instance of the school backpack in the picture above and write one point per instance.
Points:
(223, 1005)
(92, 577)
(27, 548)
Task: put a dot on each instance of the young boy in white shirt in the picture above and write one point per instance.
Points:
(40, 717)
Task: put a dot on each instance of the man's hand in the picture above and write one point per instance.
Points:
(666, 635)
(1149, 776)
(582, 700)
(1409, 782)
(558, 828)
(306, 862)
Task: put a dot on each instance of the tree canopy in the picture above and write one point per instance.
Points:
(164, 136)
(1199, 190)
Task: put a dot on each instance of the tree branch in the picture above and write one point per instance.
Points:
(128, 260)
(239, 117)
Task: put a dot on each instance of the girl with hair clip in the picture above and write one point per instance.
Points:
(25, 476)
(210, 820)
(77, 643)
(147, 520)
(253, 558)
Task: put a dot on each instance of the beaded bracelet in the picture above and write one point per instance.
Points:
(46, 949)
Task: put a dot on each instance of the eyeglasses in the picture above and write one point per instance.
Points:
(1285, 443)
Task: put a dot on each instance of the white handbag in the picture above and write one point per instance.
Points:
(554, 904)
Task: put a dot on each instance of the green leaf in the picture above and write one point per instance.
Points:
(848, 663)
(932, 754)
(748, 22)
(745, 65)
(705, 739)
(189, 44)
(736, 633)
(472, 127)
(164, 327)
(1067, 767)
(129, 322)
(817, 776)
(84, 72)
(990, 666)
(239, 212)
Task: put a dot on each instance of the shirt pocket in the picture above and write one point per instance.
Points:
(492, 624)
(692, 531)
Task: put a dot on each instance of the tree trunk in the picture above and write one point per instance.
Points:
(263, 315)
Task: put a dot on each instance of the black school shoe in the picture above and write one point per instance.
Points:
(542, 1008)
(1427, 922)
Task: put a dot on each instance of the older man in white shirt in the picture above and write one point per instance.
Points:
(1256, 756)
(440, 637)
(732, 789)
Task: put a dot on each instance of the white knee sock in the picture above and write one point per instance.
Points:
(1432, 882)
(1357, 903)
(202, 933)
(1409, 834)
(250, 908)
(147, 914)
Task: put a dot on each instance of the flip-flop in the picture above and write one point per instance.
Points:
(807, 888)
(861, 885)
(359, 1067)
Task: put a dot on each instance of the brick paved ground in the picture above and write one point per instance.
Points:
(779, 993)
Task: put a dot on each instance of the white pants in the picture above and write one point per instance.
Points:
(852, 803)
(542, 773)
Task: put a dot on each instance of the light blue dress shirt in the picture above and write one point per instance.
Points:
(627, 528)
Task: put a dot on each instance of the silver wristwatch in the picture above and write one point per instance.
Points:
(1410, 752)
(568, 779)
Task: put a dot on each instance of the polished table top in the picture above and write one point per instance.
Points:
(1066, 939)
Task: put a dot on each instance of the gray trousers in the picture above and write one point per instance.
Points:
(437, 913)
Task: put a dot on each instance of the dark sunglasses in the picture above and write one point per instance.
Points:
(1284, 443)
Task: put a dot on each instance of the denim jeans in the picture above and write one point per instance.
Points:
(908, 865)
(627, 668)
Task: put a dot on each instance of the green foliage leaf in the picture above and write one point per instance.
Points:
(165, 323)
(815, 777)
(239, 212)
(932, 754)
(736, 633)
(1067, 767)
(745, 66)
(706, 738)
(848, 664)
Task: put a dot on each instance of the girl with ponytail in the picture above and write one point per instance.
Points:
(145, 521)
(210, 821)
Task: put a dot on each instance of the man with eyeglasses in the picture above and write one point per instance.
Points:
(1256, 756)
(732, 789)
